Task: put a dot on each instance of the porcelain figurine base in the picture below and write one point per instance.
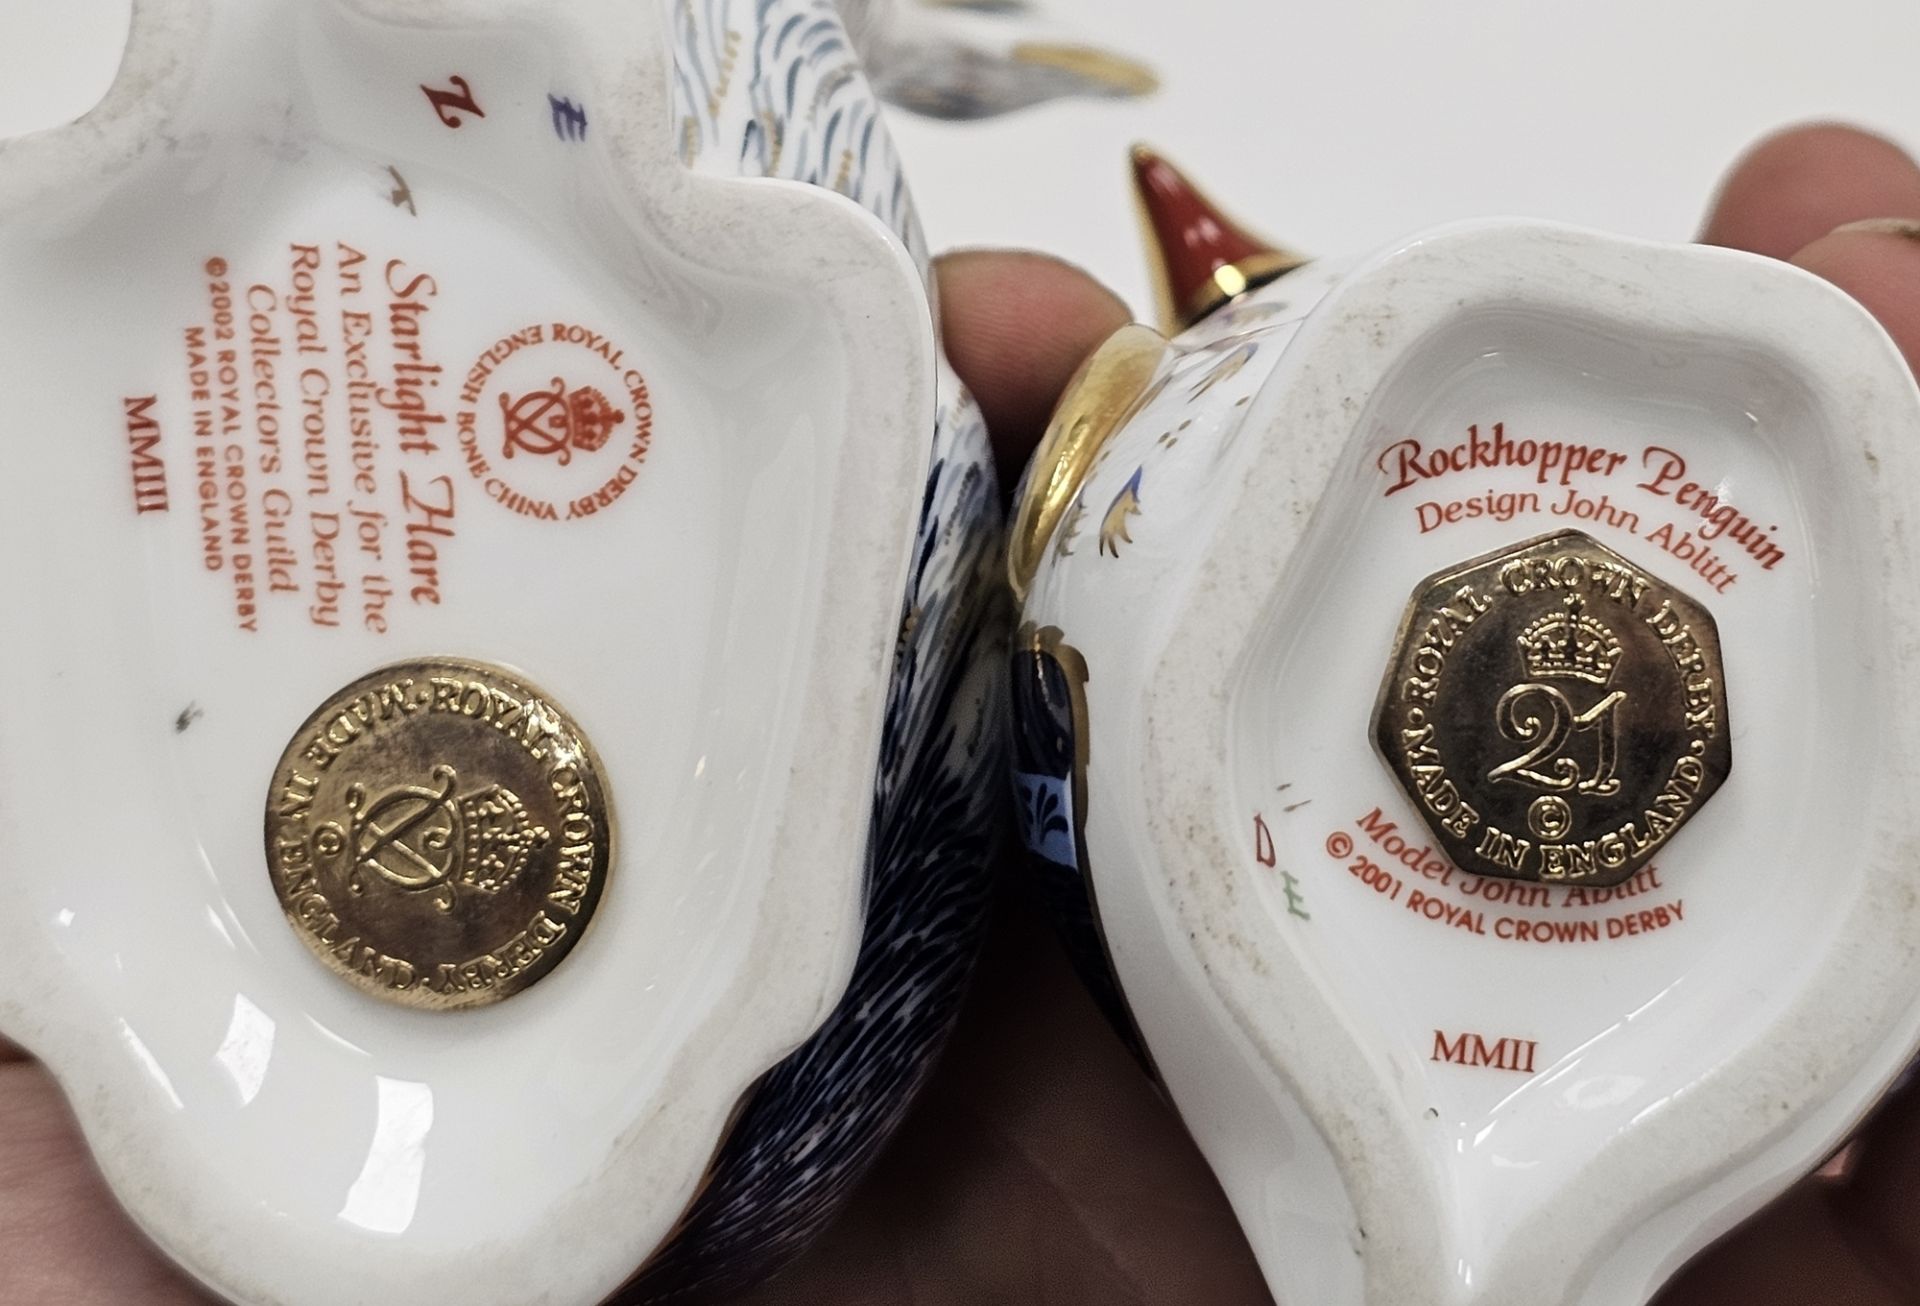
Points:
(352, 334)
(1419, 1082)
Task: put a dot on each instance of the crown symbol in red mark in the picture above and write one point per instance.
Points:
(592, 418)
(558, 421)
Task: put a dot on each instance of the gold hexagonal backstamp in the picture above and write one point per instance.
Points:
(1554, 712)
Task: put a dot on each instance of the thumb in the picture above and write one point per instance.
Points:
(1016, 326)
(1878, 263)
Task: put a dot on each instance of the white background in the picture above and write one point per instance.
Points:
(1339, 125)
(1331, 126)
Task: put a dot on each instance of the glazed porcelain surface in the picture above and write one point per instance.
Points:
(1418, 1083)
(281, 318)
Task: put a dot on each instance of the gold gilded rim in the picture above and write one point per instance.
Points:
(1231, 280)
(1101, 396)
(439, 833)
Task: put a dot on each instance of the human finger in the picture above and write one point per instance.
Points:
(1878, 263)
(62, 1238)
(1016, 327)
(1797, 185)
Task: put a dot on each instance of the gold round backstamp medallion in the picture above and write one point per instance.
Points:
(1554, 711)
(438, 834)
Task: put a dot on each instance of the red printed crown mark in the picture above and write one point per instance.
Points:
(555, 421)
(592, 418)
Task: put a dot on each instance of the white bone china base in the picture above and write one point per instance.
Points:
(1303, 974)
(721, 627)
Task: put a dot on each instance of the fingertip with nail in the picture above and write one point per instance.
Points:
(1877, 261)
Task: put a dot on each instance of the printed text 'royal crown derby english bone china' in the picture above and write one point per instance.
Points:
(467, 731)
(1467, 684)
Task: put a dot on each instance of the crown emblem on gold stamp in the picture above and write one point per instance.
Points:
(458, 891)
(1554, 711)
(420, 840)
(557, 421)
(1569, 645)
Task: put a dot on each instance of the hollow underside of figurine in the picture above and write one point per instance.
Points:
(1522, 767)
(359, 334)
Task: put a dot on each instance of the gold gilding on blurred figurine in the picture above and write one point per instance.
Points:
(1232, 280)
(1202, 260)
(1101, 396)
(1113, 73)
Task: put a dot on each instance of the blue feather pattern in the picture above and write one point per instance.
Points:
(772, 88)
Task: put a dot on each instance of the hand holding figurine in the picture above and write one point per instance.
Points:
(1060, 1179)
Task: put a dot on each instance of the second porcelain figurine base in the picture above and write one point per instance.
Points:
(410, 359)
(1491, 999)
